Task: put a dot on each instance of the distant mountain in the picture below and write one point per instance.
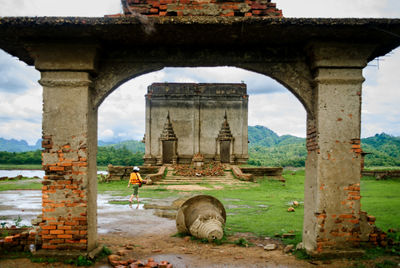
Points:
(263, 136)
(384, 150)
(18, 145)
(266, 148)
(269, 149)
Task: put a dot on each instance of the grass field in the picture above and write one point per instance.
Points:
(261, 208)
(15, 166)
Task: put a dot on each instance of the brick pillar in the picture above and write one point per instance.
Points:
(332, 186)
(69, 190)
(69, 159)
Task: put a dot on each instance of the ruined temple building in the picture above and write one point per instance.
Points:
(188, 122)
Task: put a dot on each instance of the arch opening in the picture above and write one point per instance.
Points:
(133, 92)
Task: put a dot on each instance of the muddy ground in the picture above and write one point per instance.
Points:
(138, 233)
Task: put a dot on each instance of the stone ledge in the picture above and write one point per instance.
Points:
(68, 254)
(158, 176)
(337, 254)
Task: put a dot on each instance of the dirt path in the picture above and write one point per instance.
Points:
(183, 252)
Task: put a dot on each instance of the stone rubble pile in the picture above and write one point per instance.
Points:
(19, 177)
(115, 261)
(212, 169)
(18, 239)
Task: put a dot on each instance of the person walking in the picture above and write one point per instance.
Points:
(136, 181)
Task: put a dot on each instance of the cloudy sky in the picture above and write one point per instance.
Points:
(270, 104)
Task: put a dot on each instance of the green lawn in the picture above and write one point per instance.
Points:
(262, 210)
(381, 198)
(16, 166)
(262, 207)
(32, 184)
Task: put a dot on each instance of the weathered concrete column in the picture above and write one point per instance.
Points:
(332, 186)
(69, 191)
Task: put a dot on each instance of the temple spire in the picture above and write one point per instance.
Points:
(225, 132)
(168, 131)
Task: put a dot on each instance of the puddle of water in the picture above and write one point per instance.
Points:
(290, 203)
(230, 206)
(232, 199)
(184, 261)
(111, 218)
(24, 173)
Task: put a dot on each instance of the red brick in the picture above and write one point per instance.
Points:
(47, 246)
(64, 227)
(57, 232)
(49, 227)
(71, 241)
(48, 236)
(71, 223)
(48, 210)
(66, 236)
(230, 14)
(56, 241)
(79, 218)
(57, 168)
(72, 232)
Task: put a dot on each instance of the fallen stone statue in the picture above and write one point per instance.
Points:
(202, 216)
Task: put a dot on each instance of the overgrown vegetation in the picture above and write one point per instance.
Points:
(32, 157)
(121, 156)
(266, 148)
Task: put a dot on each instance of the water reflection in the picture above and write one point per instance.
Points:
(111, 218)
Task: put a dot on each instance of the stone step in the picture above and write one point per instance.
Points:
(200, 180)
(168, 181)
(197, 181)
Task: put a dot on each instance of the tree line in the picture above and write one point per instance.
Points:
(105, 156)
(266, 149)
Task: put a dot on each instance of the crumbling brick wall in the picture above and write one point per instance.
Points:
(237, 8)
(19, 239)
(64, 199)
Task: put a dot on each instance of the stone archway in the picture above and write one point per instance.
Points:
(81, 62)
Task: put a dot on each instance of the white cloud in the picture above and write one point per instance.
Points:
(86, 8)
(281, 112)
(273, 106)
(21, 130)
(381, 97)
(340, 8)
